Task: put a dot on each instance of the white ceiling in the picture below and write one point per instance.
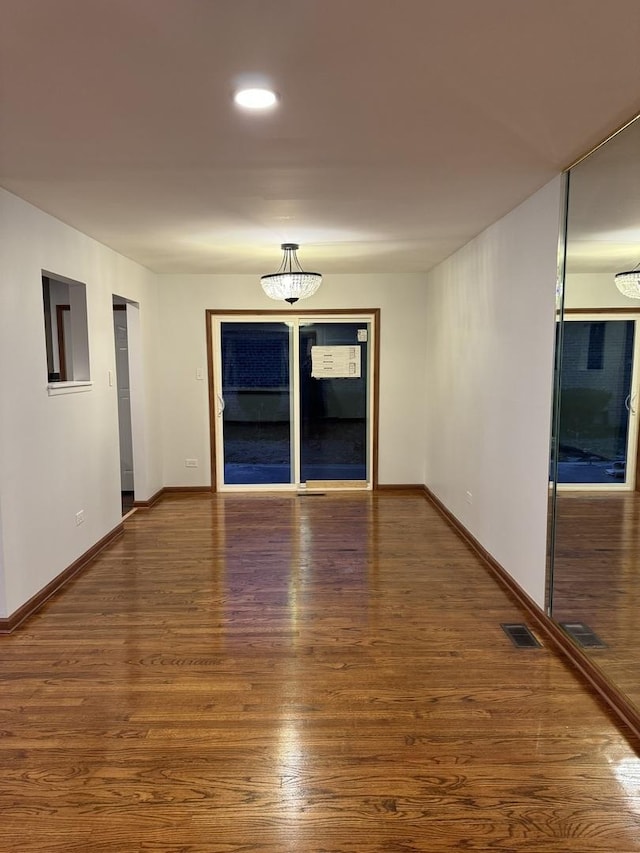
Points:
(404, 128)
(603, 223)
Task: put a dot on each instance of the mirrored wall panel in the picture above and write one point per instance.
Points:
(594, 591)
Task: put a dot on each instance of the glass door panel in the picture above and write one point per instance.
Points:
(255, 403)
(334, 401)
(596, 402)
(293, 401)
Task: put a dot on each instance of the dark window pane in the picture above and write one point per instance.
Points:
(595, 389)
(333, 411)
(255, 389)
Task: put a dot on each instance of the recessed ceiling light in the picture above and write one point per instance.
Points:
(255, 99)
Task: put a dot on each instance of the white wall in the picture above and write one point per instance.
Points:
(59, 454)
(184, 299)
(490, 337)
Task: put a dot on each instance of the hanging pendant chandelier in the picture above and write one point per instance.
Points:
(290, 282)
(628, 283)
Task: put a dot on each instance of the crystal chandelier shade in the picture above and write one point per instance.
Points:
(628, 283)
(290, 282)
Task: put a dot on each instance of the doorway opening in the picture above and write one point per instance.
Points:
(123, 384)
(293, 399)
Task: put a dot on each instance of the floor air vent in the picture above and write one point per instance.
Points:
(311, 494)
(583, 635)
(520, 636)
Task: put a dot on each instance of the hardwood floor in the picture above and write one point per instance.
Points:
(299, 675)
(597, 577)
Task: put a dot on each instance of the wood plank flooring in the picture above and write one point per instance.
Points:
(597, 577)
(299, 675)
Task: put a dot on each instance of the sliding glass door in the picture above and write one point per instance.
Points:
(293, 401)
(597, 423)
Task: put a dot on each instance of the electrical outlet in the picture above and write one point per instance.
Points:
(469, 498)
(80, 517)
(190, 463)
(199, 373)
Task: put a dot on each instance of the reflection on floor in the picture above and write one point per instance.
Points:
(266, 674)
(597, 577)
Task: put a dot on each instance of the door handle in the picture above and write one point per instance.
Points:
(632, 403)
(221, 405)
